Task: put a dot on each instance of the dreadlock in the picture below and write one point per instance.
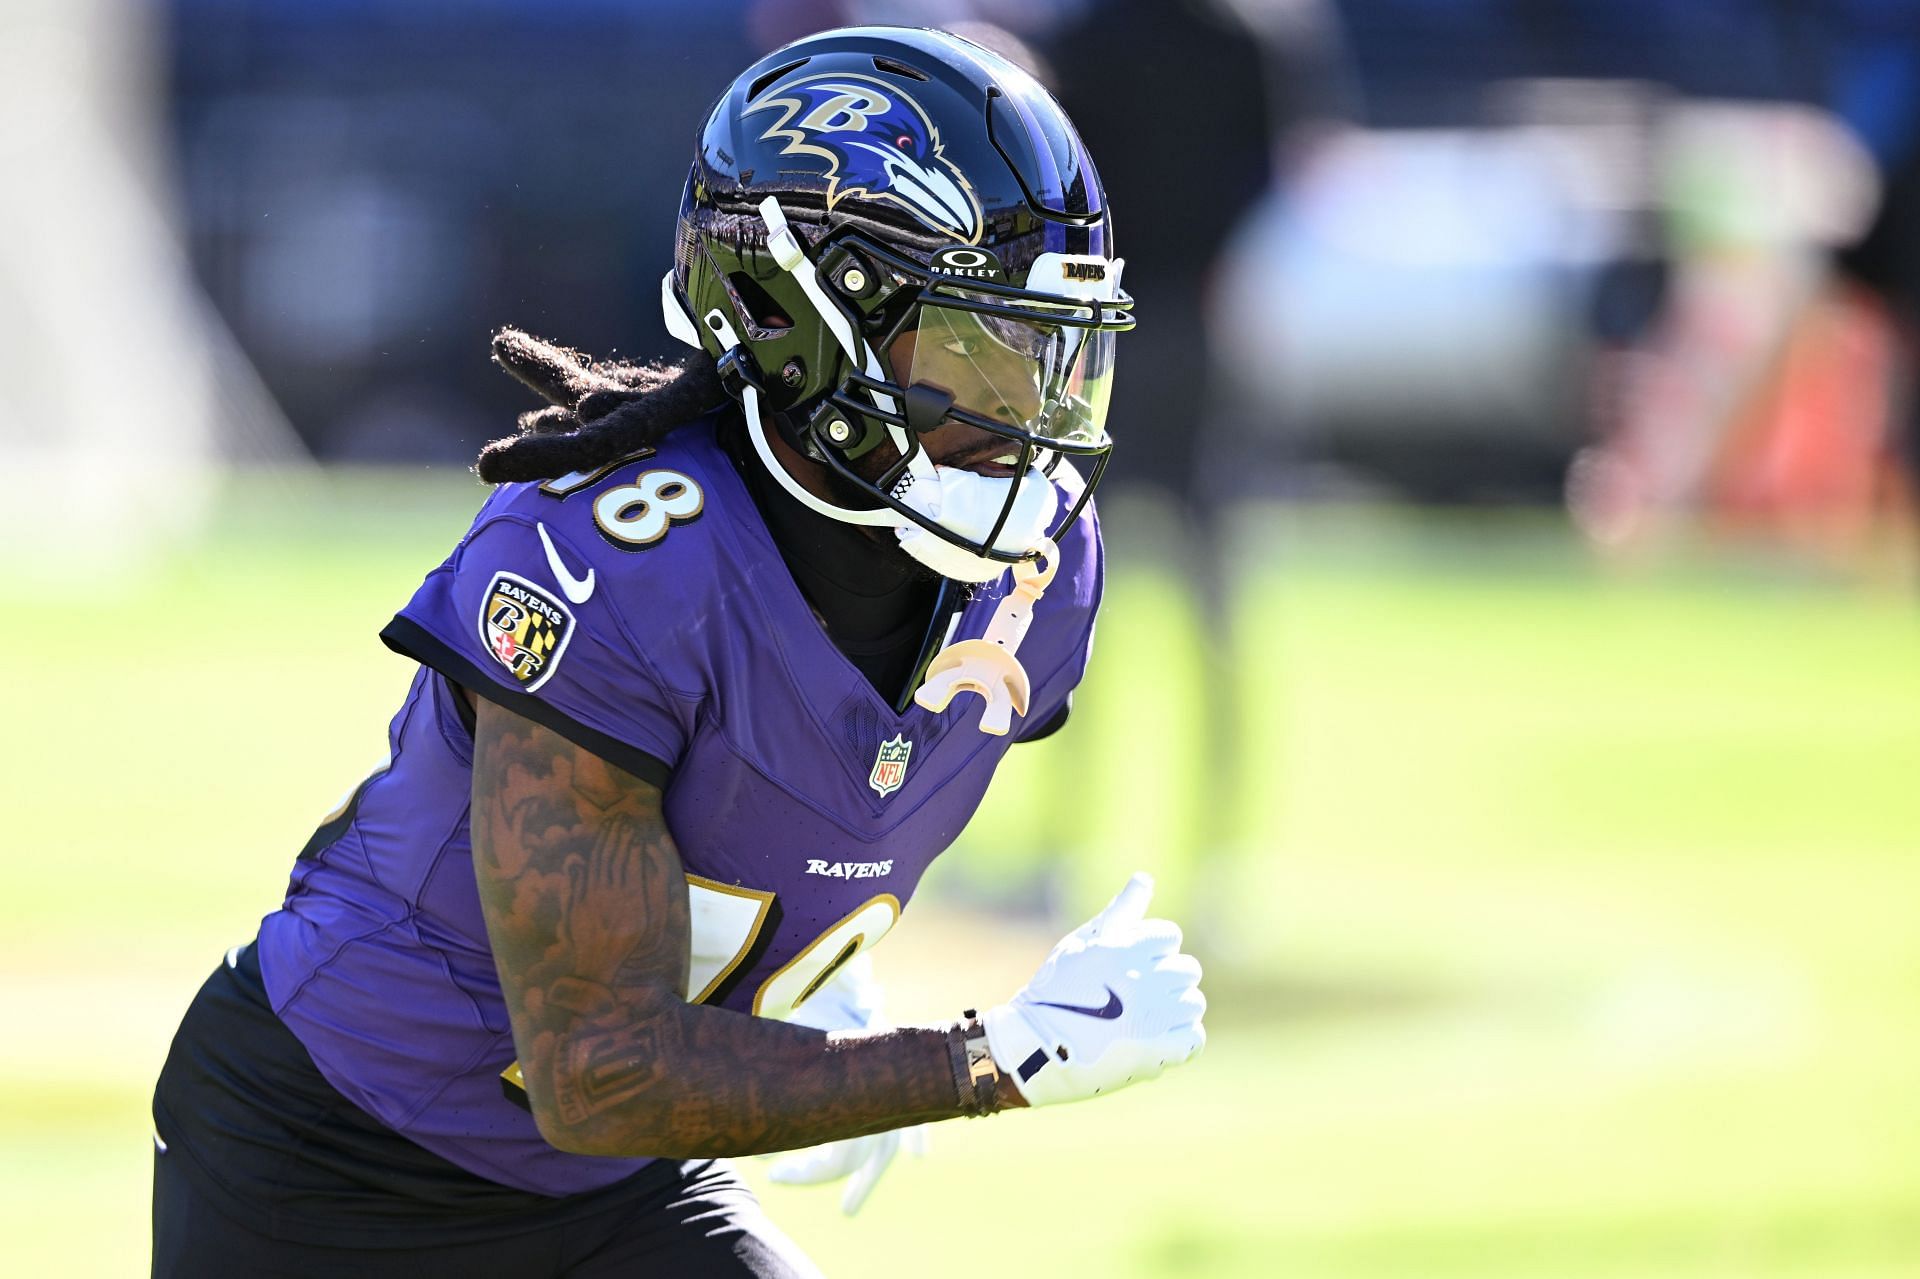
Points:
(596, 412)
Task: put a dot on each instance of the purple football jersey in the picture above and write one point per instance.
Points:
(644, 613)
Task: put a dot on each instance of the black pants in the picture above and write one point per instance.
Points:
(262, 1169)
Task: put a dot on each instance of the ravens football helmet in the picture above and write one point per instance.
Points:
(887, 230)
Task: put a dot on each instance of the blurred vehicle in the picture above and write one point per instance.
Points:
(1412, 308)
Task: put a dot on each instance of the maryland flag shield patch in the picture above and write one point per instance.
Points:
(524, 628)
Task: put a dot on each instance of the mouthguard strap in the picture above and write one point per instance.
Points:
(990, 665)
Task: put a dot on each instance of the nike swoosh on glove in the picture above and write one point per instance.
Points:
(850, 1001)
(1116, 1002)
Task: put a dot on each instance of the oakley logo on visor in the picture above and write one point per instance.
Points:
(968, 263)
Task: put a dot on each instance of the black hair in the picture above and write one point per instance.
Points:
(597, 412)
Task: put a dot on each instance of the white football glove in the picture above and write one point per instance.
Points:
(1116, 1002)
(850, 1001)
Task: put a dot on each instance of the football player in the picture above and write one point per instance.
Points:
(727, 658)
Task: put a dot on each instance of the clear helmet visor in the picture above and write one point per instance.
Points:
(1050, 381)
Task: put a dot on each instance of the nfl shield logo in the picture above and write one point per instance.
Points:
(890, 768)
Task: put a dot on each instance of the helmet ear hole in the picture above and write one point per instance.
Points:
(756, 306)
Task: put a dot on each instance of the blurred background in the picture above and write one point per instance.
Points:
(1509, 662)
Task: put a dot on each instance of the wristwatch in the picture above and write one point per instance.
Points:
(976, 1075)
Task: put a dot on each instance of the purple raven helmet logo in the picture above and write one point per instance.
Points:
(877, 142)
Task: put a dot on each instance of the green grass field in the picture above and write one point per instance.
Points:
(1558, 921)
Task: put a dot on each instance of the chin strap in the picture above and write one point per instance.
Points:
(989, 665)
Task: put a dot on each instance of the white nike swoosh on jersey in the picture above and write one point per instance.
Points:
(576, 589)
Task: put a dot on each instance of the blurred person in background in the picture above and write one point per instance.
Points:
(1170, 413)
(1225, 96)
(1876, 91)
(1221, 139)
(687, 731)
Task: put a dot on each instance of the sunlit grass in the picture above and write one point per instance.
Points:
(1557, 922)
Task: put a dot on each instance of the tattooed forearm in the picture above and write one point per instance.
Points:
(586, 905)
(708, 1081)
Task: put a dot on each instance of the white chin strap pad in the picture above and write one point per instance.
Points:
(969, 504)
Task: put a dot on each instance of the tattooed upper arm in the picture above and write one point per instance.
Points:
(582, 887)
